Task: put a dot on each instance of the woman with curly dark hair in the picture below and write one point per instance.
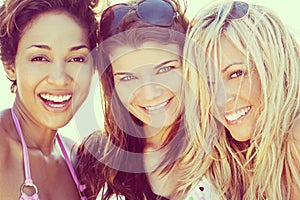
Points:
(44, 44)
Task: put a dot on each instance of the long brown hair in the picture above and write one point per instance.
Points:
(113, 158)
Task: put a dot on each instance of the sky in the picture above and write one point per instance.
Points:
(89, 118)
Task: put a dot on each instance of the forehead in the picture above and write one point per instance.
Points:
(229, 53)
(148, 54)
(53, 26)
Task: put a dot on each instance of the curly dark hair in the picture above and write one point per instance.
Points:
(15, 15)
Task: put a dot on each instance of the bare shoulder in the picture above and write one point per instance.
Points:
(7, 142)
(6, 127)
(4, 150)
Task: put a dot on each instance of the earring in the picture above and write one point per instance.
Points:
(13, 87)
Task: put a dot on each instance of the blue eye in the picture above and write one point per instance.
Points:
(236, 74)
(39, 59)
(165, 69)
(128, 78)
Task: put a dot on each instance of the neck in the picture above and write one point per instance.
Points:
(155, 138)
(36, 137)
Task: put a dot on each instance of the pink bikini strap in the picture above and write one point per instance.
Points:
(80, 187)
(28, 180)
(25, 151)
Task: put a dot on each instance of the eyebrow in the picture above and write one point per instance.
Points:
(41, 46)
(79, 47)
(156, 67)
(228, 66)
(122, 73)
(164, 63)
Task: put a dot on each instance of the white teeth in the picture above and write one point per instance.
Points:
(238, 114)
(56, 99)
(151, 108)
(57, 105)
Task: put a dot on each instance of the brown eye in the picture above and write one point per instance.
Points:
(39, 59)
(78, 59)
(236, 74)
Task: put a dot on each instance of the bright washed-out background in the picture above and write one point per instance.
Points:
(89, 118)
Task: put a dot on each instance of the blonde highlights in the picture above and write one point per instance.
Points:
(265, 166)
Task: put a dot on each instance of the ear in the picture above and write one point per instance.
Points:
(10, 71)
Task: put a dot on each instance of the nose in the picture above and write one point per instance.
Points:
(58, 75)
(224, 94)
(149, 91)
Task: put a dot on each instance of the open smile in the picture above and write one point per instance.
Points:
(157, 107)
(234, 117)
(55, 102)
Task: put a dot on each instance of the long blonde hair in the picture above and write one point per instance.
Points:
(265, 166)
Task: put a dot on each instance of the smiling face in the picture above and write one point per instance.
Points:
(238, 94)
(52, 68)
(148, 82)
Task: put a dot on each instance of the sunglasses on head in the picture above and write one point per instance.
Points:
(155, 12)
(238, 10)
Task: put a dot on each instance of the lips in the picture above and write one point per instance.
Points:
(237, 115)
(53, 101)
(157, 107)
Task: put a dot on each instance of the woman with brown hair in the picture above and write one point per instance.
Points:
(140, 59)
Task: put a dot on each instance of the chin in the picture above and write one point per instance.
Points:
(57, 123)
(241, 137)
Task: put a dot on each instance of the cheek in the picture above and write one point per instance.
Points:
(257, 88)
(83, 76)
(252, 89)
(172, 82)
(124, 93)
(27, 81)
(220, 96)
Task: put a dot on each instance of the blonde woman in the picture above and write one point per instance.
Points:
(243, 73)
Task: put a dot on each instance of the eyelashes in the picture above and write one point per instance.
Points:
(237, 73)
(79, 59)
(39, 59)
(161, 70)
(165, 69)
(128, 78)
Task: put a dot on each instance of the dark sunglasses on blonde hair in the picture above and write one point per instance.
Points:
(238, 10)
(155, 12)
